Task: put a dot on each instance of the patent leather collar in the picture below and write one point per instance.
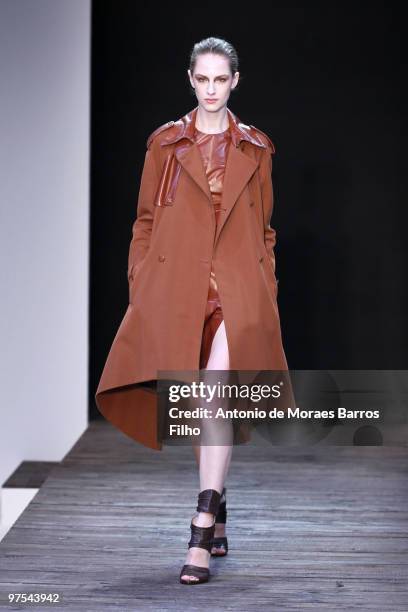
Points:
(184, 128)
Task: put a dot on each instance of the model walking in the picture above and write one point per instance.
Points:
(202, 286)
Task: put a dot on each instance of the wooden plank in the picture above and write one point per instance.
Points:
(30, 475)
(321, 528)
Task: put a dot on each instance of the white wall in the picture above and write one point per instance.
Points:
(44, 223)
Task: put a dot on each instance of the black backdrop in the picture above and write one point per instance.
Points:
(327, 83)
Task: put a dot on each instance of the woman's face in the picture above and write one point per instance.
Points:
(212, 80)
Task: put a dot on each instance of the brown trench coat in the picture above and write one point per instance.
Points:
(173, 243)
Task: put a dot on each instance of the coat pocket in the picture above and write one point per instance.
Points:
(132, 276)
(268, 273)
(166, 190)
(133, 269)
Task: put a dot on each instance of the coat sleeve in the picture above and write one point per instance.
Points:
(267, 202)
(142, 226)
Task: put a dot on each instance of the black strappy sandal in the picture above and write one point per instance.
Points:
(202, 537)
(221, 541)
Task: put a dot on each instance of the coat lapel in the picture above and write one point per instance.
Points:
(239, 166)
(190, 158)
(239, 169)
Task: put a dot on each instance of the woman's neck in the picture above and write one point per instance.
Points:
(212, 123)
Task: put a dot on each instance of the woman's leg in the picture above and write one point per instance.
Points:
(218, 356)
(220, 528)
(213, 460)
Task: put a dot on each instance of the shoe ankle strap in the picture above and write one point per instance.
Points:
(208, 501)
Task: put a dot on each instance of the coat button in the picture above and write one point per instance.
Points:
(162, 258)
(251, 203)
(261, 259)
(169, 200)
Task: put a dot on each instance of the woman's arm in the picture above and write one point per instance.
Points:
(142, 226)
(268, 201)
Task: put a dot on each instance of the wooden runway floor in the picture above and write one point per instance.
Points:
(316, 528)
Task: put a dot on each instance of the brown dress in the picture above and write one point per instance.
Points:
(214, 151)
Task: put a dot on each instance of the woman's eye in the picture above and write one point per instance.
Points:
(200, 80)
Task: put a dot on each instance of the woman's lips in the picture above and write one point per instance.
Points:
(210, 100)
